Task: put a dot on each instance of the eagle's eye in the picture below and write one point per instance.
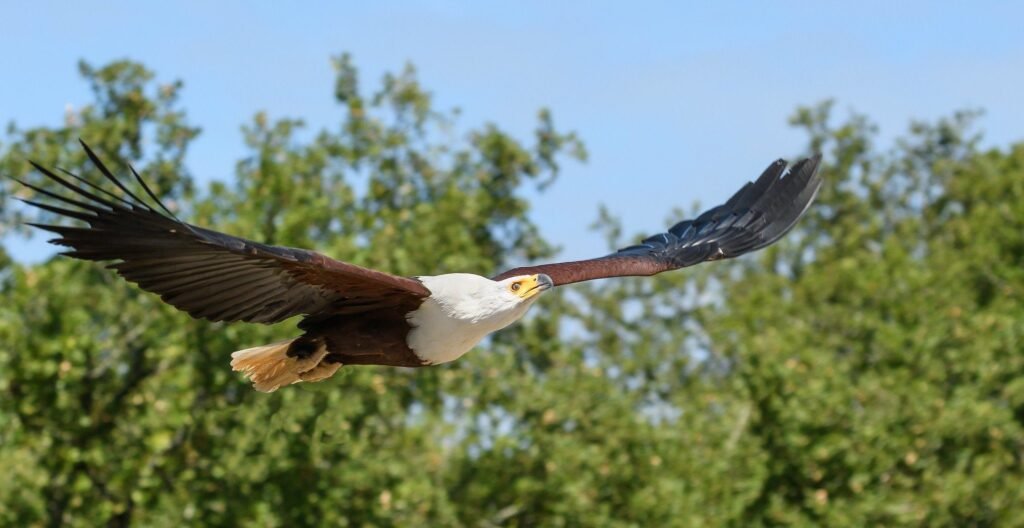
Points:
(516, 286)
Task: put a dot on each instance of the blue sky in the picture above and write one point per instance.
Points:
(677, 102)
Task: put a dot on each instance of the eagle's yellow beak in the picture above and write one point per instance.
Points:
(530, 285)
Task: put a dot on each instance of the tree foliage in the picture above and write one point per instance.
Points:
(864, 371)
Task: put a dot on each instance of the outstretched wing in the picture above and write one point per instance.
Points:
(756, 216)
(209, 274)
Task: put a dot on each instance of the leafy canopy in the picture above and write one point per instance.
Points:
(864, 371)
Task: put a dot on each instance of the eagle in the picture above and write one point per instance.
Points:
(352, 315)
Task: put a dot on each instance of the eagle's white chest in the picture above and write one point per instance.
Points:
(460, 312)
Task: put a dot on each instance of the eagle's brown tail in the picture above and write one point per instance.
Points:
(270, 367)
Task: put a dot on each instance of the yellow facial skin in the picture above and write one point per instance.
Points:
(529, 285)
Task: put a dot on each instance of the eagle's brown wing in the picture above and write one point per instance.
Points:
(756, 216)
(209, 274)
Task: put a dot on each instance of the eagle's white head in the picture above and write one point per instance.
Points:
(463, 308)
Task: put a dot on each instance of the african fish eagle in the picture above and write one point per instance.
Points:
(358, 316)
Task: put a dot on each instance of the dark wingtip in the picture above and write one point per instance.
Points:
(46, 227)
(150, 192)
(98, 163)
(769, 207)
(795, 201)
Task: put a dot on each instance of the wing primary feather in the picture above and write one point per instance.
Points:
(152, 194)
(96, 187)
(79, 215)
(60, 230)
(72, 187)
(55, 196)
(749, 194)
(792, 211)
(106, 172)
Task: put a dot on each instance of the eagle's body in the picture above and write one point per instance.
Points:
(460, 311)
(358, 316)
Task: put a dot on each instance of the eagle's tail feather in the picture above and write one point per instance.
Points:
(270, 367)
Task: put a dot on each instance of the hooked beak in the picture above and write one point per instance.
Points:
(537, 284)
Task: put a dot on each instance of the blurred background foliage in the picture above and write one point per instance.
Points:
(864, 371)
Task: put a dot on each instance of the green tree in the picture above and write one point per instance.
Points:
(880, 348)
(866, 370)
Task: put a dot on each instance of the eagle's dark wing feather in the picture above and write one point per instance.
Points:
(209, 274)
(756, 216)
